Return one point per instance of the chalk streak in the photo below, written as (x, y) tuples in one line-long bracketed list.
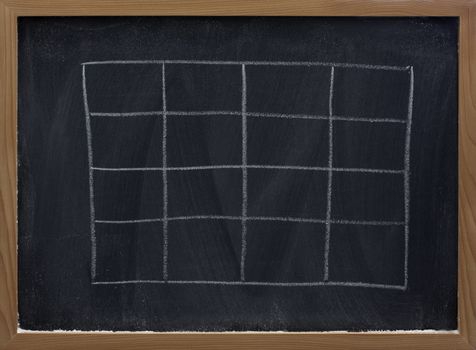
[(271, 167), (91, 177), (255, 63), (407, 174), (205, 217), (127, 114), (134, 221), (164, 178), (128, 169), (368, 223), (244, 160), (205, 167), (249, 114), (286, 219), (256, 218), (204, 113), (329, 182), (259, 284), (369, 120)]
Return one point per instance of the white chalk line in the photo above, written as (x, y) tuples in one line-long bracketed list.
[(285, 219), (269, 167), (329, 181), (369, 120), (126, 114), (205, 217), (128, 169), (164, 178), (259, 284), (204, 167), (255, 63), (91, 177), (258, 218), (367, 223), (133, 221), (407, 173), (323, 117), (244, 162), (287, 116), (249, 114), (369, 170), (169, 113)]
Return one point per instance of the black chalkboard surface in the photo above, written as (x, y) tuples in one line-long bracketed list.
[(237, 174)]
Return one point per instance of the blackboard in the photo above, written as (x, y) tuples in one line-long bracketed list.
[(237, 174)]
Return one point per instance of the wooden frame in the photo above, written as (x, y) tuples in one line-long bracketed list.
[(464, 338)]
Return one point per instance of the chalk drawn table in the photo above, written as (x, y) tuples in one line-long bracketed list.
[(326, 164)]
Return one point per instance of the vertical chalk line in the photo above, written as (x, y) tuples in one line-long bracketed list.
[(329, 182), (164, 178), (244, 207), (407, 173), (91, 178)]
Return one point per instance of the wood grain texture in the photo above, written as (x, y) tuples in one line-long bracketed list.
[(466, 339), (8, 268), (245, 341), (244, 7), (467, 177)]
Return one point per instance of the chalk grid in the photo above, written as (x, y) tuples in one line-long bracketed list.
[(244, 218)]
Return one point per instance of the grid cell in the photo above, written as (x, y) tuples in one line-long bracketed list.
[(362, 93), (132, 142), (204, 250), (295, 142), (124, 88), (285, 251), (369, 145), (358, 196), (204, 140), (203, 87), (205, 192), (369, 254), (135, 194), (288, 89), (129, 251), (287, 193)]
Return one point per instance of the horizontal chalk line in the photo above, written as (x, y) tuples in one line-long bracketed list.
[(204, 113), (264, 284), (255, 63), (276, 167), (365, 170), (128, 169), (287, 116), (248, 114), (128, 221), (280, 218), (369, 223), (257, 218), (204, 167), (370, 120), (126, 114), (159, 113), (204, 217), (323, 117)]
